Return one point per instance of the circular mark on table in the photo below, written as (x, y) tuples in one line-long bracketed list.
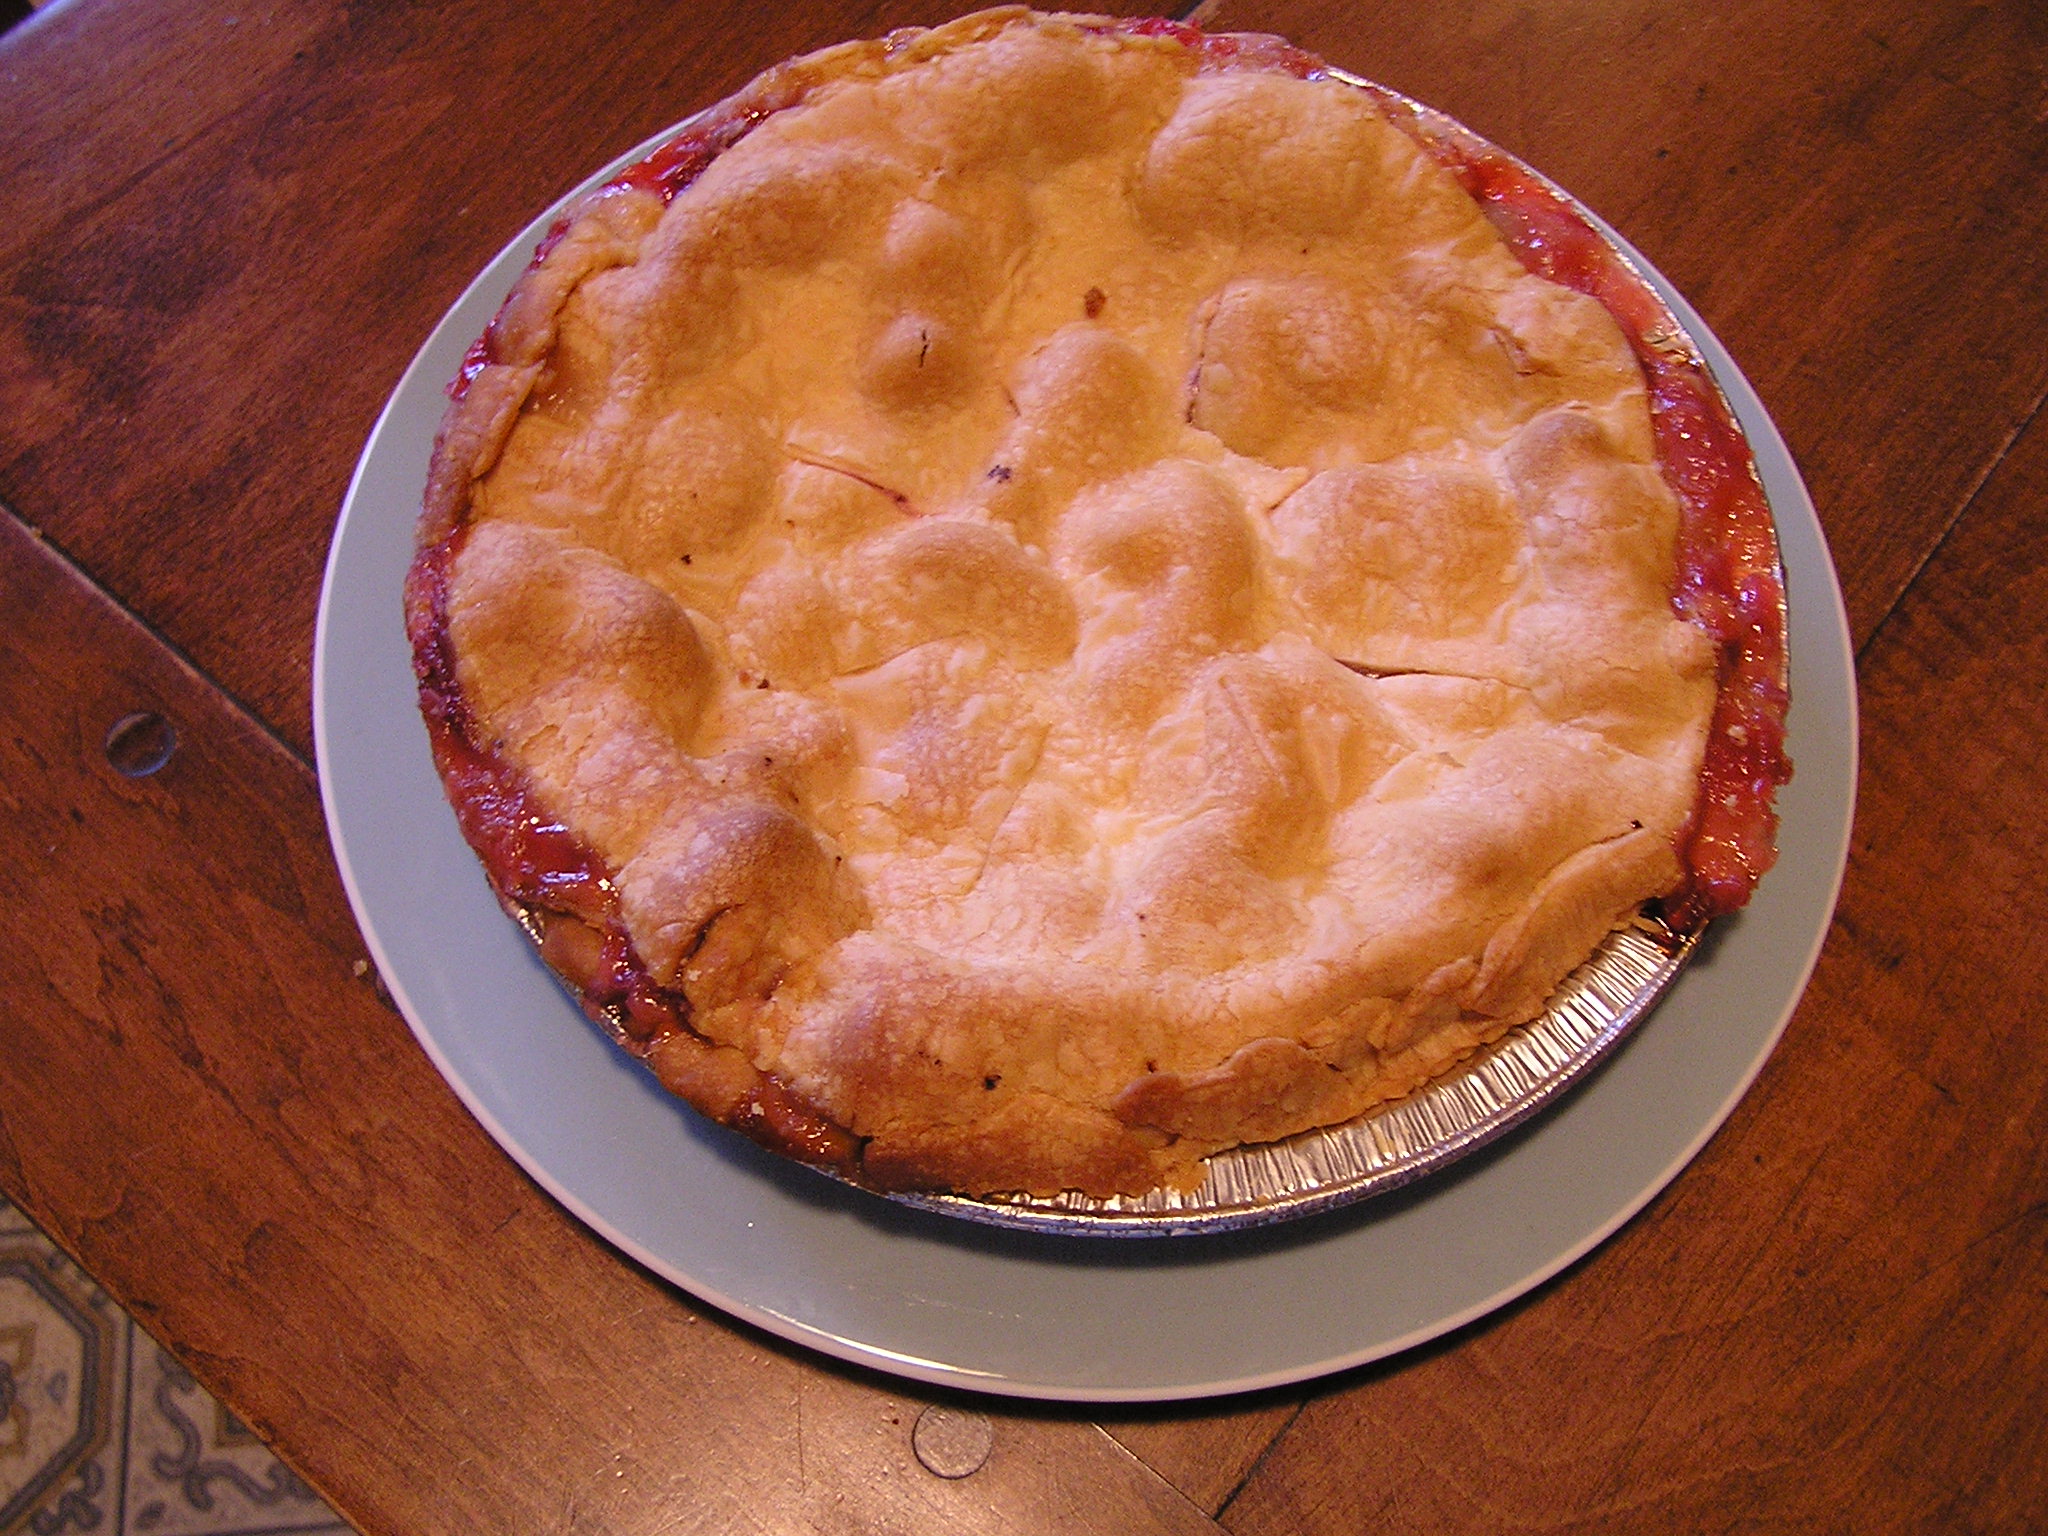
[(952, 1442), (140, 743)]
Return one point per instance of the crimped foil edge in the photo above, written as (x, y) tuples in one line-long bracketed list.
[(1454, 1115)]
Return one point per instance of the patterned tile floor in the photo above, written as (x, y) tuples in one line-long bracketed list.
[(102, 1432)]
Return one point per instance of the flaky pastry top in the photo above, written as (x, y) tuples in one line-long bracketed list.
[(1089, 607)]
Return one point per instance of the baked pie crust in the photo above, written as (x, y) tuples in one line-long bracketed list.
[(1033, 600)]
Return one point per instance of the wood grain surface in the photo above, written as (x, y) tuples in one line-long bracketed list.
[(230, 226)]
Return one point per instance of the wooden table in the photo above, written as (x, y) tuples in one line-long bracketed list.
[(228, 226)]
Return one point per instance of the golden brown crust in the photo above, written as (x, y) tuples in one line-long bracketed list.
[(1089, 607)]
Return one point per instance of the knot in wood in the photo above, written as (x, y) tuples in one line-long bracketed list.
[(140, 743)]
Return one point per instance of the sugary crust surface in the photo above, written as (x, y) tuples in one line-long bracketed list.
[(1089, 608)]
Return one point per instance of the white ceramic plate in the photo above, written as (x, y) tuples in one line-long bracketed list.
[(941, 1300)]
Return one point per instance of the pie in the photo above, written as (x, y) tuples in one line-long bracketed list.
[(1029, 601)]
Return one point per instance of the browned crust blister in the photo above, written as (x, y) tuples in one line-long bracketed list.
[(1086, 606)]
